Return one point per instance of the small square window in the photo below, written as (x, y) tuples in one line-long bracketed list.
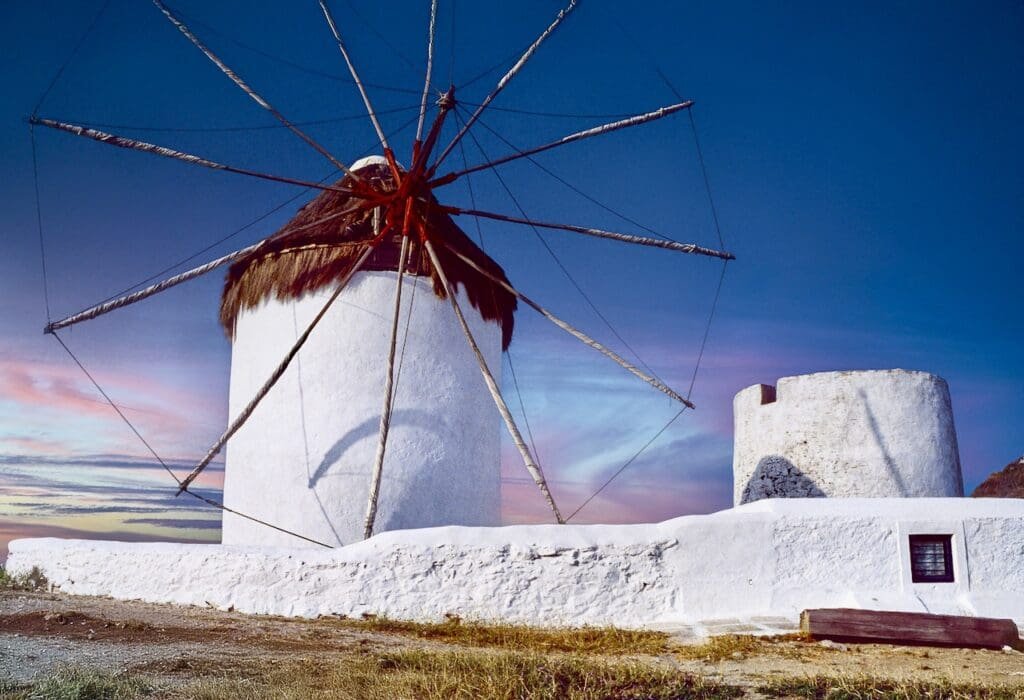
[(931, 558)]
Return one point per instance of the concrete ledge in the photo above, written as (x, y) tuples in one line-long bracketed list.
[(768, 560)]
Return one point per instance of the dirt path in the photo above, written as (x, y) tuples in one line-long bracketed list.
[(40, 632)]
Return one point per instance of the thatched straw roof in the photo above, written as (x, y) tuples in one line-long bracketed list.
[(321, 243)]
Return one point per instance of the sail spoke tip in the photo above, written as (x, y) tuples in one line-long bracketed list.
[(430, 65), (492, 386), (635, 120), (505, 79), (245, 87), (122, 301), (106, 307), (575, 332), (692, 248)]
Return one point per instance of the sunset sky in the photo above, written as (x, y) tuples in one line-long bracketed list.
[(865, 161)]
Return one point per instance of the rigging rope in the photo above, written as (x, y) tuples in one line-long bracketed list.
[(71, 56), (117, 409), (600, 130), (247, 89), (627, 463), (279, 371), (229, 129), (355, 75), (194, 494), (405, 336), (135, 144), (522, 408), (707, 328), (576, 333), (565, 270), (575, 189), (183, 487), (487, 71), (475, 117), (707, 182), (563, 115), (641, 48), (287, 62), (714, 303), (383, 39), (252, 223), (505, 80), (673, 419), (32, 135), (508, 352), (529, 462), (39, 222)]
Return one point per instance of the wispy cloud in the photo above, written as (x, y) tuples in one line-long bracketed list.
[(177, 523), (105, 496)]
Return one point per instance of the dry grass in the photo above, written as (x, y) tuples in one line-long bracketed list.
[(476, 675), (468, 675), (585, 640), (32, 581), (867, 688), (79, 684), (740, 646)]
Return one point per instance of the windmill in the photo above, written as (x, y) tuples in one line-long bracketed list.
[(387, 221)]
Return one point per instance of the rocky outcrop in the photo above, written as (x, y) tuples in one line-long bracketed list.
[(1008, 483)]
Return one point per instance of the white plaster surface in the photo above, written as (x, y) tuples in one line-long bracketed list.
[(764, 560), (303, 459), (847, 434)]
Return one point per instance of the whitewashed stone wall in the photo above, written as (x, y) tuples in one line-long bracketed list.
[(304, 458), (847, 434), (768, 559)]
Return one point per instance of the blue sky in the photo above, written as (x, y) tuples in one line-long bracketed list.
[(865, 161)]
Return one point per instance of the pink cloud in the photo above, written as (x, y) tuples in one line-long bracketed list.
[(36, 445), (32, 384), (42, 396)]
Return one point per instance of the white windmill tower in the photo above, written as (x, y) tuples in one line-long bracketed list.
[(306, 458)]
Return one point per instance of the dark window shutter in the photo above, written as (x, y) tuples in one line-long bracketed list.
[(931, 558)]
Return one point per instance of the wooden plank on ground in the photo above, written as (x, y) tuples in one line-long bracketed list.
[(909, 628)]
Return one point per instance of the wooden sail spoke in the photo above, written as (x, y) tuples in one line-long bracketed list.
[(108, 306), (136, 145), (389, 385), (492, 386), (692, 248), (237, 80), (276, 375), (578, 136), (426, 80), (575, 332), (505, 79), (355, 77)]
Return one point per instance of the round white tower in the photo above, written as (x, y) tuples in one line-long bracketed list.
[(303, 460), (884, 433)]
